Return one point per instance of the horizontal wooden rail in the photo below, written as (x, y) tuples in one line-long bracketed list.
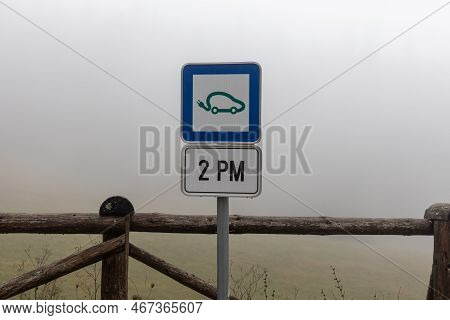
[(60, 268), (186, 279), (167, 223)]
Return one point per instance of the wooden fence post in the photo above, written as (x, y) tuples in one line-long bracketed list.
[(115, 267), (439, 283)]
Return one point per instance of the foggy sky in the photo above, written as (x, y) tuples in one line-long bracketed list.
[(380, 143)]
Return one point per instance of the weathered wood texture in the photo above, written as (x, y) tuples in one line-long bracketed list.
[(60, 268), (440, 260), (115, 267), (438, 211), (166, 223), (439, 288), (430, 291), (448, 283), (186, 279)]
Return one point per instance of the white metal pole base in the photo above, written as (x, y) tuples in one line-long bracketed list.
[(223, 264)]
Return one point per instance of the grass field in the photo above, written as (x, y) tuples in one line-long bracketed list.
[(297, 266)]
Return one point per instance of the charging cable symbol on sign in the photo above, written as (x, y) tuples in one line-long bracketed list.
[(237, 105)]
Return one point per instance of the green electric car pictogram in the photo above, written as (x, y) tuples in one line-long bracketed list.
[(237, 107)]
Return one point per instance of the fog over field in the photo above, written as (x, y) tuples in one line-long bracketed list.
[(370, 78)]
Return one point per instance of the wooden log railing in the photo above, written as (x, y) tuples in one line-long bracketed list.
[(60, 268), (186, 279), (74, 223), (115, 267), (117, 219), (439, 288)]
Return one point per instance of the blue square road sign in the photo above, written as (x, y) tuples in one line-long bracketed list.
[(221, 103)]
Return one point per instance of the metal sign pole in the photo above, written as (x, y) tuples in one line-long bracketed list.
[(223, 262)]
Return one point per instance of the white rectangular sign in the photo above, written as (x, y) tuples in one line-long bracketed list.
[(221, 171)]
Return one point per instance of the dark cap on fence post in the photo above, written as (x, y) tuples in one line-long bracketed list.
[(116, 206), (115, 267), (439, 287)]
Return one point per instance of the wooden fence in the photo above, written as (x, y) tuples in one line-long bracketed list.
[(117, 219)]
